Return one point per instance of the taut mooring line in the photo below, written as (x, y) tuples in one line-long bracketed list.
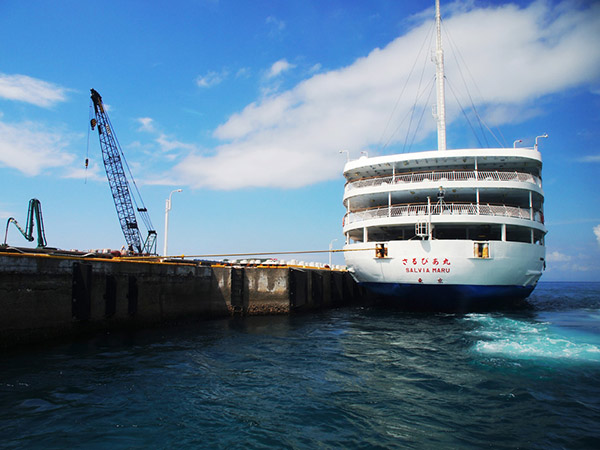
[(249, 254)]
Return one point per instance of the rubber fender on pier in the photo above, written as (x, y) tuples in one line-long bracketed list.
[(110, 297), (317, 291), (81, 292), (237, 289), (337, 288), (132, 296), (298, 281)]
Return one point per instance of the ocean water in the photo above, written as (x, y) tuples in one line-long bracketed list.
[(345, 378)]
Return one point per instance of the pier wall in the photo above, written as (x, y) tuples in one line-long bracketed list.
[(44, 296)]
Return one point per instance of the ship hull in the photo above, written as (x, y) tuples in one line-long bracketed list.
[(445, 274)]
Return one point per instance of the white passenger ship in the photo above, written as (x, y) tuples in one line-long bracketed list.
[(452, 227)]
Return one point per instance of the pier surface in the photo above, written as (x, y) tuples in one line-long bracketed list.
[(53, 293)]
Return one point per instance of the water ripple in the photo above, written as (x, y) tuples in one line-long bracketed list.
[(348, 378)]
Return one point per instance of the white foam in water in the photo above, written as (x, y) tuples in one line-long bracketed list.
[(523, 339)]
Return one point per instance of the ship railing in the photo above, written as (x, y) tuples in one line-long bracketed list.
[(454, 175), (443, 208)]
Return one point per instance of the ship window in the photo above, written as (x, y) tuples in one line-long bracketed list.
[(461, 232), (481, 250), (391, 233), (518, 234), (381, 251), (408, 234), (538, 237), (486, 232), (356, 235), (454, 233)]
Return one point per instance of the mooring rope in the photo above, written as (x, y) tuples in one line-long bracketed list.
[(224, 255)]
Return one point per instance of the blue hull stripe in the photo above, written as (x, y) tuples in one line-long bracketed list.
[(449, 293)]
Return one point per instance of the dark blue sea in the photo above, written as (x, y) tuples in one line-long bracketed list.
[(346, 378)]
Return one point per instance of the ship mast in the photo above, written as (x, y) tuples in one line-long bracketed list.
[(439, 75)]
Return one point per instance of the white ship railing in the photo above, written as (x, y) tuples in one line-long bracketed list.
[(447, 209), (454, 175)]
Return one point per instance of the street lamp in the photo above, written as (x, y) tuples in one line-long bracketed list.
[(331, 248), (517, 142), (545, 135), (167, 209)]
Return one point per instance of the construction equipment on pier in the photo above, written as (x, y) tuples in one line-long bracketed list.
[(35, 209), (113, 158)]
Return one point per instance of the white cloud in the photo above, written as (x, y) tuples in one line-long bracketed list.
[(30, 149), (316, 68), (279, 67), (5, 215), (146, 124), (93, 173), (276, 25), (526, 53), (167, 144), (292, 138), (244, 72), (557, 257), (211, 79), (580, 268), (591, 158), (31, 90), (597, 233)]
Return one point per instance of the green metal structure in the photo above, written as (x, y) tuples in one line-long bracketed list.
[(35, 211)]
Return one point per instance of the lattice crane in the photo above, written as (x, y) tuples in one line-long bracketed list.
[(113, 158)]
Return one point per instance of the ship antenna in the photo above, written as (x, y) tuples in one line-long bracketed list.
[(439, 74)]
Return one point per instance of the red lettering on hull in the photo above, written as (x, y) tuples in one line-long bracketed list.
[(427, 265)]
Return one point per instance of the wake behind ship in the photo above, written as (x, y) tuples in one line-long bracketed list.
[(446, 227)]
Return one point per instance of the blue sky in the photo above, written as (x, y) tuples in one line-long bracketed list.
[(245, 105)]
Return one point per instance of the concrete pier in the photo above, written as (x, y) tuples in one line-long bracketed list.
[(53, 294)]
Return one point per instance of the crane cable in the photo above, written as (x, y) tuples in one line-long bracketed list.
[(87, 150)]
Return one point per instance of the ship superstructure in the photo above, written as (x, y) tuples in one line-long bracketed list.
[(463, 224)]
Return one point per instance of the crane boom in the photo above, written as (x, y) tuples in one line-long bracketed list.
[(113, 158)]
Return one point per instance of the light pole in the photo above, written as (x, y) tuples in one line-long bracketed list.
[(331, 248), (167, 209), (545, 135)]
